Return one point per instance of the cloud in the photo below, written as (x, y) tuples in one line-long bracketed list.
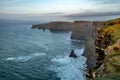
[(106, 1), (56, 13), (90, 14)]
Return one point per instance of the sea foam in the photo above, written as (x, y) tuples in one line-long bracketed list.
[(68, 68), (25, 58)]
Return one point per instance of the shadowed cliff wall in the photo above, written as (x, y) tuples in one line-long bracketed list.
[(83, 29), (87, 30)]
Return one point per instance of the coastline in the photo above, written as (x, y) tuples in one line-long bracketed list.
[(86, 31)]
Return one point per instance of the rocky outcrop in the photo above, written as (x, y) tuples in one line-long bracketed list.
[(55, 26), (72, 54)]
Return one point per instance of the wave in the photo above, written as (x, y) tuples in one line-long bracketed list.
[(25, 58), (74, 40), (79, 52), (68, 68)]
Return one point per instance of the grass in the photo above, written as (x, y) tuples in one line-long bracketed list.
[(112, 27), (111, 39), (106, 78), (112, 59)]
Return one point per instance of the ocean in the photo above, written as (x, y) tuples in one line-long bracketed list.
[(32, 54)]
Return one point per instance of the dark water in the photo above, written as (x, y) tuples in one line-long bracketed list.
[(27, 54)]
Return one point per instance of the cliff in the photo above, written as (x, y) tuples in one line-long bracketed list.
[(107, 50), (41, 26), (102, 45), (87, 30), (61, 26), (55, 26), (83, 29), (80, 29)]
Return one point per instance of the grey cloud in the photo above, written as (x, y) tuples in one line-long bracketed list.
[(90, 14), (106, 1), (56, 13)]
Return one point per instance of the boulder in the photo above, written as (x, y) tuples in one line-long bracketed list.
[(72, 54)]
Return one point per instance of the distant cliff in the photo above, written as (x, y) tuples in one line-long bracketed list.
[(80, 29), (56, 26)]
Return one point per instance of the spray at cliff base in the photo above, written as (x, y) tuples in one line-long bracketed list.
[(68, 68)]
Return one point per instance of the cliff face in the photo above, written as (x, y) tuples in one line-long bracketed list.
[(55, 26), (83, 29), (61, 26), (80, 30), (107, 49), (89, 53), (87, 30)]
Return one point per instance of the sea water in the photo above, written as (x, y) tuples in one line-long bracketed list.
[(32, 54)]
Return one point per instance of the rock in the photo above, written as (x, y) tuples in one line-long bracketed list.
[(72, 54)]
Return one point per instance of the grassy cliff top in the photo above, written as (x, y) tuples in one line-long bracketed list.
[(110, 33), (112, 27)]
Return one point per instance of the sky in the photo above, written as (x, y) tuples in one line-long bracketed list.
[(31, 9)]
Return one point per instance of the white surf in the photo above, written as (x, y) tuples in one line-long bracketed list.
[(25, 58), (68, 68)]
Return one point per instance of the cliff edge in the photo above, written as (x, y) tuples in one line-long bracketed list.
[(107, 50)]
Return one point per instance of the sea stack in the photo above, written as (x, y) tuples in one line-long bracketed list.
[(72, 54)]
